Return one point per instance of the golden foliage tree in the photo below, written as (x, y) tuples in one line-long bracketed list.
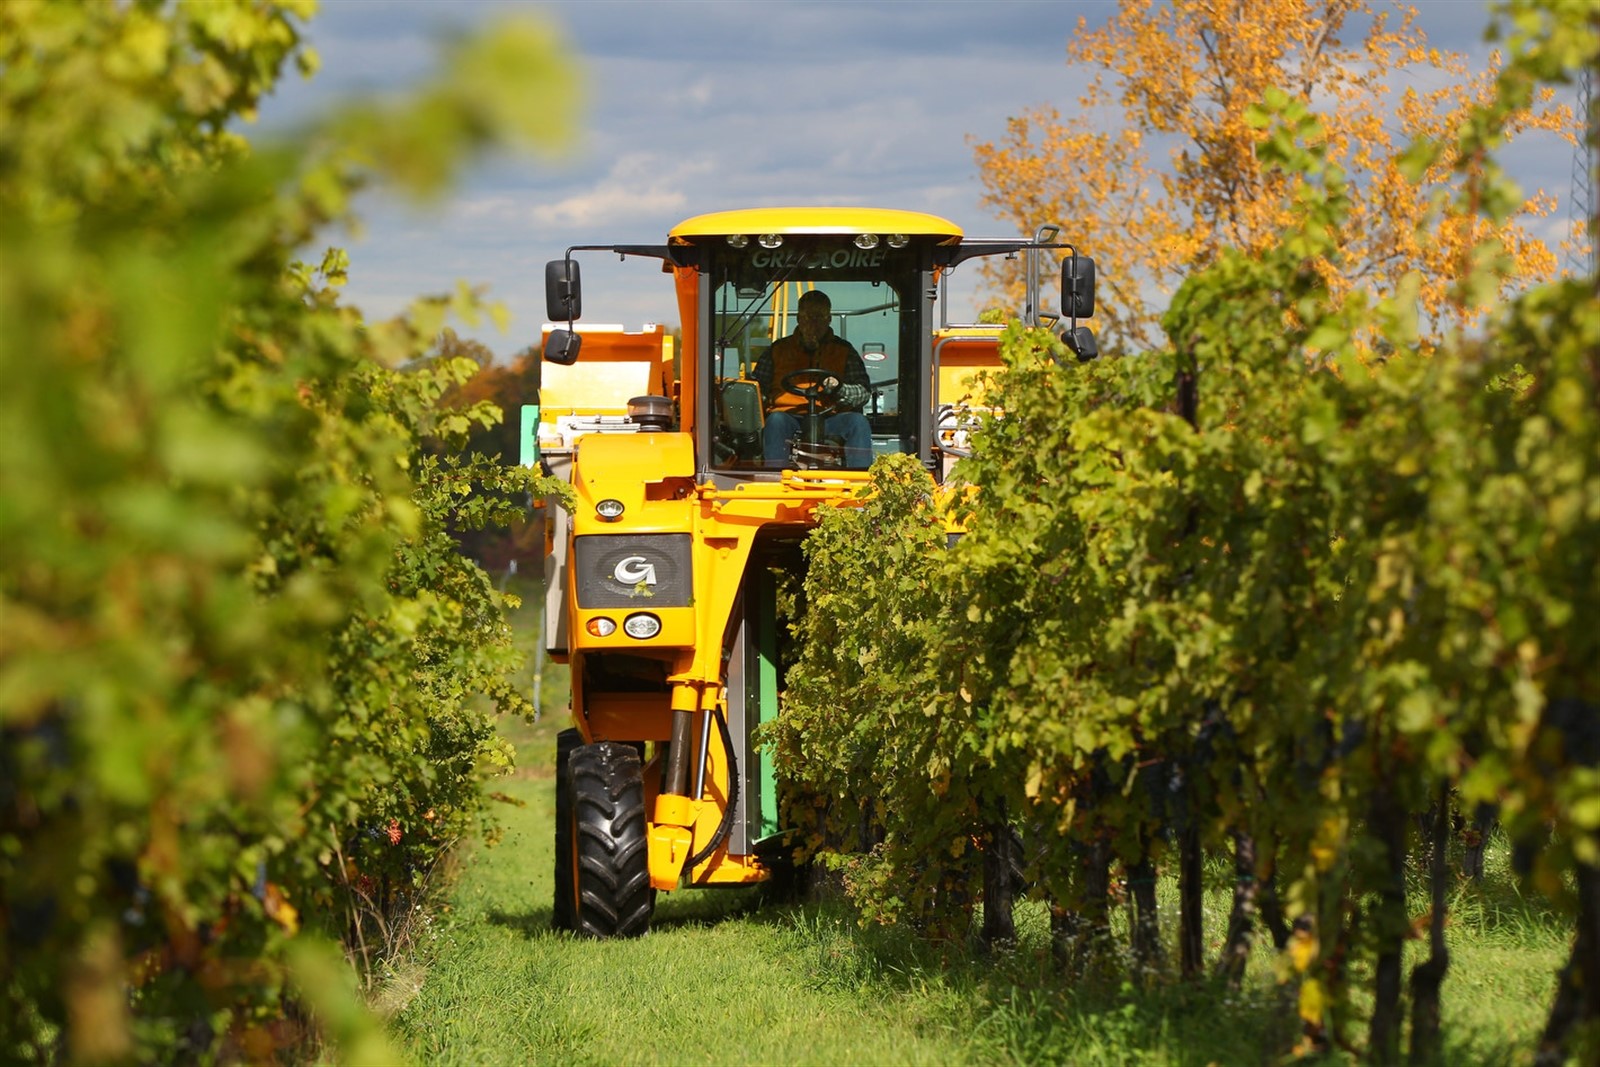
[(1156, 169)]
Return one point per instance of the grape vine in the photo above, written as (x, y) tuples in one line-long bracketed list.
[(241, 661), (1278, 589)]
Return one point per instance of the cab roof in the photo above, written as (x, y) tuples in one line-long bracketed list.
[(817, 220)]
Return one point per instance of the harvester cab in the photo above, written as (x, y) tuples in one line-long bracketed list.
[(813, 340)]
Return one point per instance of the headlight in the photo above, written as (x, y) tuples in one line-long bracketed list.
[(609, 510), (600, 626), (641, 625)]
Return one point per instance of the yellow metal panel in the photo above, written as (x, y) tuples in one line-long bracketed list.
[(636, 469), (666, 852), (957, 369), (615, 366), (637, 457), (816, 220), (723, 869), (962, 352), (629, 717), (670, 840), (674, 811), (607, 342), (591, 389)]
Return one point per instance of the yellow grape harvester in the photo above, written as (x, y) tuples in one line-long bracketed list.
[(663, 579)]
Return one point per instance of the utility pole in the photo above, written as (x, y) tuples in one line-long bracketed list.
[(1583, 226)]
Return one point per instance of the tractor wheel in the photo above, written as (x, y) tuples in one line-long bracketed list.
[(614, 898), (566, 894)]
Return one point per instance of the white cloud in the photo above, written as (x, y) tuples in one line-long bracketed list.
[(703, 106), (493, 209), (697, 95), (639, 185)]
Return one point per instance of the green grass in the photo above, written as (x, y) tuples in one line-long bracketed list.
[(718, 980), (724, 978)]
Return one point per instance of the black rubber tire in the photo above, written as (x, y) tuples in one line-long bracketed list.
[(614, 894), (566, 893)]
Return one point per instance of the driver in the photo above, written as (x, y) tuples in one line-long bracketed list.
[(814, 346)]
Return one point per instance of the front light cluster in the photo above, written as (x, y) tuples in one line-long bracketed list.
[(775, 240), (641, 625), (870, 240)]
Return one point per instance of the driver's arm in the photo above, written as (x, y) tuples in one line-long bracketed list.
[(855, 373), (761, 373)]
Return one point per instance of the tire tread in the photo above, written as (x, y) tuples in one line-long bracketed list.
[(614, 894)]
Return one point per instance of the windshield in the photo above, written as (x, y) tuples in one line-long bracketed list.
[(814, 354)]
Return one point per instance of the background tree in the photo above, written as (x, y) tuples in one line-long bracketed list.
[(1156, 169), (451, 345), (506, 387)]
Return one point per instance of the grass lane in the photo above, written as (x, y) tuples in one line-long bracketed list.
[(720, 979), (717, 980)]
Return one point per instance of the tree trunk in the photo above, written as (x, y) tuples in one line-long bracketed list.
[(1191, 911), (1477, 833), (1147, 953), (1094, 929), (1242, 918), (1576, 1010), (1577, 999), (1272, 912), (1391, 923), (1066, 930), (999, 923), (1429, 976)]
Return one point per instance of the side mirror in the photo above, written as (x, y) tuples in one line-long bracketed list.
[(1077, 287), (561, 346), (1081, 340), (563, 293)]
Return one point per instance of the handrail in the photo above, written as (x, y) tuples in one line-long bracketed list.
[(1041, 237)]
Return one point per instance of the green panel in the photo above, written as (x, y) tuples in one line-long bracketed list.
[(767, 708), (528, 450)]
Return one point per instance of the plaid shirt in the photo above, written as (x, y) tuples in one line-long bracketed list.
[(834, 354)]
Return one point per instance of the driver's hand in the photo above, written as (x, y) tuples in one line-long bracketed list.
[(829, 384), (853, 396)]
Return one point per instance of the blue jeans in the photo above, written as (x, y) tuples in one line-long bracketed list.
[(851, 425)]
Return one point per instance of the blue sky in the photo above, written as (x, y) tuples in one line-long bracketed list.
[(703, 105)]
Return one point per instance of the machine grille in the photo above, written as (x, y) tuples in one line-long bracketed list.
[(634, 571)]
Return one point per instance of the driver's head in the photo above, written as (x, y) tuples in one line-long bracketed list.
[(814, 314)]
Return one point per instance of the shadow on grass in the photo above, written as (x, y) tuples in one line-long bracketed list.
[(1500, 905), (533, 923), (1021, 1006), (686, 909), (1024, 1008)]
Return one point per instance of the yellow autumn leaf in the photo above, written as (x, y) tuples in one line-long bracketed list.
[(1313, 1000), (279, 910), (1302, 950), (1177, 177)]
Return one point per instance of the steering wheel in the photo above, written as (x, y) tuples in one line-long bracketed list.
[(812, 383)]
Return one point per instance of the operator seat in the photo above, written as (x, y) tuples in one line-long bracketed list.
[(740, 418)]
